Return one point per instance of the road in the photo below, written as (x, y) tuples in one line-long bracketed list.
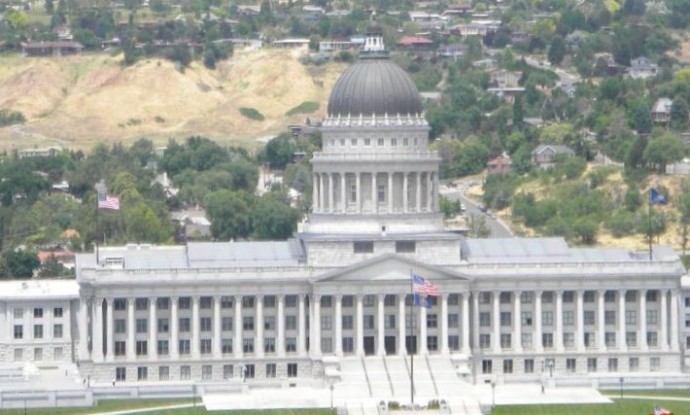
[(497, 227), (564, 76)]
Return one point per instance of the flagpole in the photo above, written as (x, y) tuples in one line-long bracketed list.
[(649, 226), (411, 348), (98, 230)]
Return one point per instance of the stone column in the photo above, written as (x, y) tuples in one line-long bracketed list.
[(98, 330), (259, 326), (496, 321), (621, 320), (331, 192), (435, 191), (517, 322), (405, 192), (402, 322), (418, 199), (537, 341), (559, 320), (429, 193), (315, 192), (280, 341), (359, 317), (110, 343), (217, 347), (195, 327), (338, 340), (315, 342), (642, 341), (664, 319), (601, 323), (152, 349), (579, 320), (390, 192), (475, 318), (374, 199), (301, 327), (131, 330), (444, 323), (423, 350), (237, 334), (380, 325), (358, 202), (466, 323), (322, 194), (173, 328), (343, 193), (83, 329), (674, 320)]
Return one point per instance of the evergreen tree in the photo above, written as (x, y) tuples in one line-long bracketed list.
[(643, 119), (557, 50)]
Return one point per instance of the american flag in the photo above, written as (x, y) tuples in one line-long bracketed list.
[(424, 287), (108, 202)]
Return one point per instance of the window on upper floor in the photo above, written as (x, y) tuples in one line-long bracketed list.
[(363, 247)]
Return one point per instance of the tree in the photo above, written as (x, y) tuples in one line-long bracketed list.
[(643, 119), (273, 218), (278, 152), (586, 228), (53, 268), (518, 112), (20, 263), (557, 50), (230, 214), (679, 114), (665, 149), (477, 227)]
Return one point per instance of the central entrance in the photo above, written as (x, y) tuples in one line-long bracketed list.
[(369, 345), (389, 344), (411, 344)]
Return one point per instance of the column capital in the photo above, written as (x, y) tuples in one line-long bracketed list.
[(174, 297), (131, 300), (559, 291), (381, 297), (217, 297)]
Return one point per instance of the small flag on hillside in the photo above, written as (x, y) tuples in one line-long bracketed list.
[(424, 287), (656, 198), (108, 202)]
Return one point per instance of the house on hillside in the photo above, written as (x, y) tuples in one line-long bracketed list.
[(661, 110), (642, 68), (502, 78), (39, 152), (544, 156), (56, 48), (500, 165), (418, 43), (453, 51)]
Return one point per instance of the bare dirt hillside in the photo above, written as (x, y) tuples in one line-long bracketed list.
[(82, 100)]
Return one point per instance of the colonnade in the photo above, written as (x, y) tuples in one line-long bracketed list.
[(343, 192)]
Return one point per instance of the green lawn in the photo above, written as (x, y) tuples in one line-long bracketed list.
[(103, 406), (618, 407), (677, 393), (202, 411)]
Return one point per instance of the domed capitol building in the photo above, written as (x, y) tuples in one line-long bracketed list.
[(333, 305)]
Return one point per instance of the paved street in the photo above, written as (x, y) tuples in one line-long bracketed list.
[(498, 228)]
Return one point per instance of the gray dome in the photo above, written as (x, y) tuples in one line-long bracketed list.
[(374, 86)]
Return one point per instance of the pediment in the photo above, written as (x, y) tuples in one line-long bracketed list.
[(389, 267)]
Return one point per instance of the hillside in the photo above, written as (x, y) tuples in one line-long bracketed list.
[(82, 100)]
